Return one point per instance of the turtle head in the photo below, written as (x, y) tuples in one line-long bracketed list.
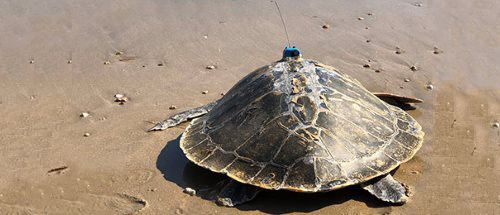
[(292, 53)]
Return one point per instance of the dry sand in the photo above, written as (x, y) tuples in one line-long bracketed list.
[(164, 47)]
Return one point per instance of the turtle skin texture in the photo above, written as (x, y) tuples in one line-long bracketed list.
[(302, 126)]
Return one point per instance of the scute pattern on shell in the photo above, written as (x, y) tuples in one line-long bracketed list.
[(301, 126)]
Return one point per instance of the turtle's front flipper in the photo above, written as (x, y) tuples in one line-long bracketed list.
[(183, 117), (235, 193), (402, 102), (387, 189)]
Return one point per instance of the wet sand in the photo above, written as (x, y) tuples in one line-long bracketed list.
[(60, 59)]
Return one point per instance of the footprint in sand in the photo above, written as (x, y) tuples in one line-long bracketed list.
[(96, 204), (118, 204)]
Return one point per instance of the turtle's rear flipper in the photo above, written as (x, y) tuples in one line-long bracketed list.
[(387, 189), (235, 193), (183, 117), (402, 102)]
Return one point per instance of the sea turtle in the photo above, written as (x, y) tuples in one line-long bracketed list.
[(302, 126)]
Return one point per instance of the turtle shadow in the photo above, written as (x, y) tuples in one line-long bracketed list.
[(281, 202), (176, 168)]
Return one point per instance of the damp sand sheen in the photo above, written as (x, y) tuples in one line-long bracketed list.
[(59, 60)]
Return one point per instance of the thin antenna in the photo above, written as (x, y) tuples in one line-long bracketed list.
[(283, 21)]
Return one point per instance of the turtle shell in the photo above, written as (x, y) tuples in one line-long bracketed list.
[(303, 126)]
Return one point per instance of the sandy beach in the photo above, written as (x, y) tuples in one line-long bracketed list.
[(59, 59)]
